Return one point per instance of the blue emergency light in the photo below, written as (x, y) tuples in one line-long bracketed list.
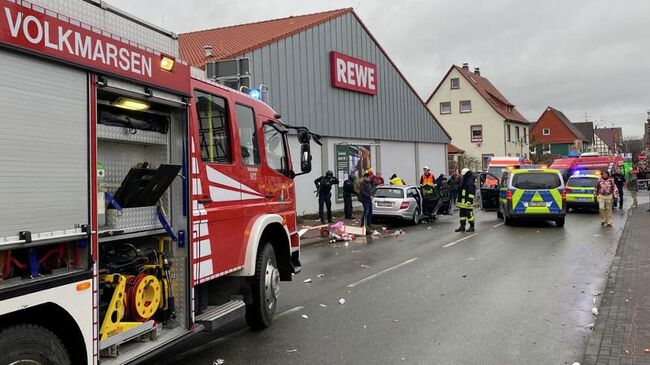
[(255, 94)]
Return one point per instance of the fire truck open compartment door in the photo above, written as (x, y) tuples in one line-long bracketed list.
[(43, 148)]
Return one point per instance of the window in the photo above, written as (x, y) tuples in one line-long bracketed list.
[(485, 160), (582, 182), (445, 107), (391, 193), (455, 83), (214, 128), (275, 148), (476, 132), (547, 149), (525, 135), (536, 180), (509, 134), (465, 106), (546, 131), (517, 136), (248, 135)]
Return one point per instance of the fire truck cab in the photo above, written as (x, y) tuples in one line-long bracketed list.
[(139, 201)]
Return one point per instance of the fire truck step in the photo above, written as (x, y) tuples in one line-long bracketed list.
[(216, 316)]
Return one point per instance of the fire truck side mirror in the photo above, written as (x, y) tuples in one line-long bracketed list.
[(305, 158), (303, 136)]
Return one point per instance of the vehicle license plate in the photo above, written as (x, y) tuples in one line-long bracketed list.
[(584, 200), (537, 204), (384, 204)]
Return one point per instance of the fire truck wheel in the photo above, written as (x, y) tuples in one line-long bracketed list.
[(265, 288), (33, 345)]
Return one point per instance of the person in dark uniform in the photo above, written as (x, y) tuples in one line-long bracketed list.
[(324, 191), (348, 191), (466, 201), (619, 180)]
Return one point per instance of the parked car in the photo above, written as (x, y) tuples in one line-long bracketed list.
[(397, 202)]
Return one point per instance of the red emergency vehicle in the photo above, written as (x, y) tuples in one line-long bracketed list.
[(139, 201), (586, 163)]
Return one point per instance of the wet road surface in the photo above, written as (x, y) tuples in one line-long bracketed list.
[(504, 295)]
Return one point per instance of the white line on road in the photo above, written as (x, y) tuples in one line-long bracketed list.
[(500, 224), (460, 240), (294, 309), (382, 272)]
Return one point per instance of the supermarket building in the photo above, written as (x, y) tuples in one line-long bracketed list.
[(327, 72)]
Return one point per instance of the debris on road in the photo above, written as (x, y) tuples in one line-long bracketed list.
[(364, 266), (341, 301), (305, 316), (320, 275), (594, 311), (464, 275), (627, 352), (576, 363), (292, 351), (323, 305), (646, 350), (307, 281), (218, 362), (591, 326), (395, 320)]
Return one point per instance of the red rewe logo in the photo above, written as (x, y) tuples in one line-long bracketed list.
[(353, 74)]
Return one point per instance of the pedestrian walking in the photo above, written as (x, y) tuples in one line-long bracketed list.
[(633, 186), (440, 179), (606, 192), (427, 177), (365, 197), (466, 201), (619, 180), (455, 181), (396, 180), (324, 191), (348, 191)]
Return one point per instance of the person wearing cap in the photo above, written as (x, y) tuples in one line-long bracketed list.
[(427, 177), (396, 180), (633, 186), (365, 197), (466, 201), (324, 191)]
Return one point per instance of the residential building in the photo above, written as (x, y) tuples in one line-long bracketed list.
[(479, 118), (453, 156), (553, 133), (326, 71), (608, 141), (587, 130), (646, 135)]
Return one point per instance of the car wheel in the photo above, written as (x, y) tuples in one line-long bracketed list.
[(265, 289), (416, 217), (31, 344), (559, 222), (507, 221)]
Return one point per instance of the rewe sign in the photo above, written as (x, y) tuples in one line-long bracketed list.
[(353, 74)]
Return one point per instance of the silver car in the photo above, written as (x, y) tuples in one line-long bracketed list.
[(397, 202)]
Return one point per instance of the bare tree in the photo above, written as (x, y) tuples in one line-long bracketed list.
[(633, 145)]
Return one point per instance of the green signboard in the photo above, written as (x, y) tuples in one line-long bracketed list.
[(351, 159)]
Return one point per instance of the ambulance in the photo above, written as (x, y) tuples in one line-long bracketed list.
[(140, 202)]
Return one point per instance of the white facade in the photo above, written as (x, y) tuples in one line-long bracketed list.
[(459, 125)]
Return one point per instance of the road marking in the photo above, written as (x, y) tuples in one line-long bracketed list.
[(500, 224), (382, 272), (460, 240), (294, 309)]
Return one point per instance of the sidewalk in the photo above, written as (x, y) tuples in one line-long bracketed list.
[(622, 330)]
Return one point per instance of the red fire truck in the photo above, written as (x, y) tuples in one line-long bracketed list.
[(587, 163), (139, 201)]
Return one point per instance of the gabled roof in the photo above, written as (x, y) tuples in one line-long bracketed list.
[(576, 132), (587, 130), (453, 150), (610, 136), (489, 92), (230, 42)]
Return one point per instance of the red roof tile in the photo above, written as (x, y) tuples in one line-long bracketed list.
[(233, 41), (490, 93), (451, 149)]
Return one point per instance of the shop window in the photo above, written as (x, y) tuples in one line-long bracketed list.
[(214, 128), (445, 107), (465, 106), (248, 135), (546, 131), (275, 148), (476, 133), (455, 83)]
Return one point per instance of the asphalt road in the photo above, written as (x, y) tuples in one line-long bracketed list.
[(504, 295)]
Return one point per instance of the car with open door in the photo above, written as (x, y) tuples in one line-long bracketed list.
[(489, 191), (397, 203)]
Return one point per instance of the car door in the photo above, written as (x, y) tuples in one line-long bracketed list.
[(489, 188)]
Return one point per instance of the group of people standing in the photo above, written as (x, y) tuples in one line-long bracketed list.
[(609, 193)]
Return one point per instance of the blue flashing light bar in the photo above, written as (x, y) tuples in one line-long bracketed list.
[(255, 94)]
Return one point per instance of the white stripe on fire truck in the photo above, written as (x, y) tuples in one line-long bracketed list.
[(202, 249), (222, 179), (196, 187), (200, 228), (195, 166), (224, 195), (203, 269)]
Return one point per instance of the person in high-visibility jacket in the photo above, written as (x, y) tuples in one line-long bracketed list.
[(466, 201), (396, 180), (427, 177)]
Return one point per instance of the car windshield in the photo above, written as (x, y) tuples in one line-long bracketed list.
[(582, 182), (389, 193), (496, 170), (536, 180)]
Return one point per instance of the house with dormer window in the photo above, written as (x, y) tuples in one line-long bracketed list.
[(479, 118)]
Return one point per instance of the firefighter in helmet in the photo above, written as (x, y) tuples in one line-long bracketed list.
[(466, 201)]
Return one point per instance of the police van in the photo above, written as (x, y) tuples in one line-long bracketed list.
[(528, 194), (580, 191)]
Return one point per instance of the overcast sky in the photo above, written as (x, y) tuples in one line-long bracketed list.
[(583, 57)]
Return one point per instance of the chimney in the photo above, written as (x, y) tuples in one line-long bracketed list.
[(477, 71), (208, 51), (466, 66)]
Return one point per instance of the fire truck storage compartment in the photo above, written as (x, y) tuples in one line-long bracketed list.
[(140, 148), (44, 195)]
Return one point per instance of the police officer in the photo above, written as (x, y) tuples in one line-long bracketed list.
[(466, 201), (324, 191), (348, 191)]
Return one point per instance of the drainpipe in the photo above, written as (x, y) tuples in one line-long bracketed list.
[(505, 142)]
